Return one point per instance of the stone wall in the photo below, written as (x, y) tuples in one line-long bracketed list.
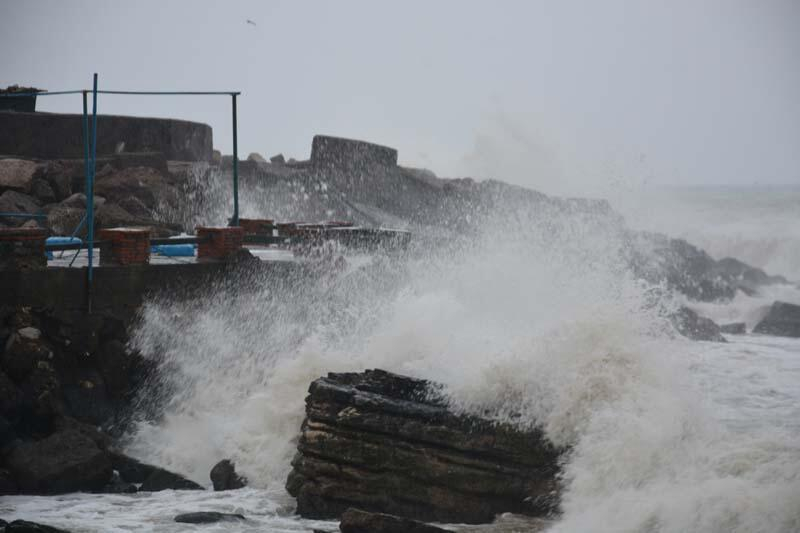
[(60, 136)]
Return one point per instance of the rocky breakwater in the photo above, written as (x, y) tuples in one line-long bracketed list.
[(130, 190), (386, 443), (66, 385)]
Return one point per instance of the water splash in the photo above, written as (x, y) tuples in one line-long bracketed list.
[(535, 321)]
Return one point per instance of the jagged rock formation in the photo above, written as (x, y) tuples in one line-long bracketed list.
[(783, 319), (696, 327), (691, 271), (388, 443), (224, 477), (63, 375)]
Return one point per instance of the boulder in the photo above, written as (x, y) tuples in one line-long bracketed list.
[(42, 191), (151, 477), (736, 328), (16, 202), (224, 476), (66, 461), (23, 526), (149, 185), (783, 320), (387, 443), (78, 201), (111, 215), (356, 521), (277, 159), (135, 207), (207, 517), (17, 174), (696, 327), (29, 333)]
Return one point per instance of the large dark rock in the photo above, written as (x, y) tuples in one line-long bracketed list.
[(691, 271), (696, 327), (151, 477), (207, 517), (783, 320), (356, 521), (112, 215), (78, 201), (66, 461), (17, 202), (17, 174), (23, 526), (388, 443), (42, 191), (224, 476)]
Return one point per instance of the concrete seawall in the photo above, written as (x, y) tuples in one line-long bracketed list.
[(118, 291), (59, 136)]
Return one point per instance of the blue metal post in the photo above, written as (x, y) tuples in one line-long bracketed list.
[(235, 219), (90, 190)]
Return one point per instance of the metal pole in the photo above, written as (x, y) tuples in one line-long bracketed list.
[(235, 219), (90, 190)]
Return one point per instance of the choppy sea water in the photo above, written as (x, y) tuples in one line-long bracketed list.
[(667, 435), (752, 385)]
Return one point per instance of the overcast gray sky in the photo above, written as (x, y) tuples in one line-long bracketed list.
[(565, 96)]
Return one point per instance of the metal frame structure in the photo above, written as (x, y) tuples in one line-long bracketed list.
[(90, 156)]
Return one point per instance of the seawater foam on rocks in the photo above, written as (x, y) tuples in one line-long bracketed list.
[(533, 328)]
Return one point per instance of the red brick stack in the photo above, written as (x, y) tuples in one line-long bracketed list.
[(219, 243), (22, 248), (124, 246)]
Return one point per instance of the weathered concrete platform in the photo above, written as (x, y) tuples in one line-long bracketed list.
[(60, 136), (120, 290)]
